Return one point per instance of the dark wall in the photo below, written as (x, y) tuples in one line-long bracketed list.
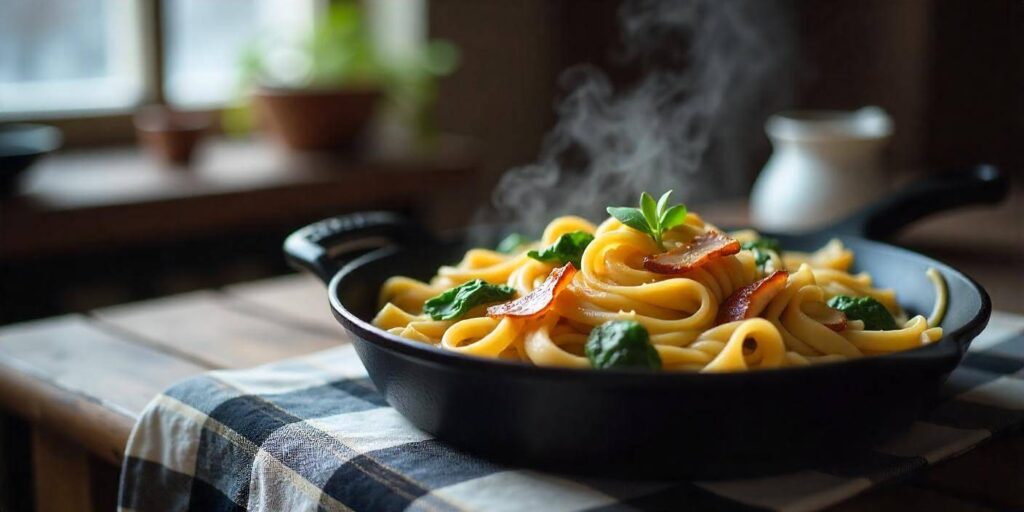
[(503, 90), (949, 71), (871, 52), (512, 54), (975, 106)]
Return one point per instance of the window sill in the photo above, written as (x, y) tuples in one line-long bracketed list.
[(110, 197)]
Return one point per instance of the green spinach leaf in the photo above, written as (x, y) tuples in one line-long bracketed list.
[(456, 302), (866, 309), (621, 344), (760, 248), (568, 247)]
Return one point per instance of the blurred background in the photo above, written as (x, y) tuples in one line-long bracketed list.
[(181, 140)]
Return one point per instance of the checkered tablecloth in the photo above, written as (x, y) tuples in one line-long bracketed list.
[(313, 433)]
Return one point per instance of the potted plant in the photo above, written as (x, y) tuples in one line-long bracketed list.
[(320, 91)]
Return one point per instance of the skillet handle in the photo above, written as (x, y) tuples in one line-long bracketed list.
[(319, 247), (981, 184)]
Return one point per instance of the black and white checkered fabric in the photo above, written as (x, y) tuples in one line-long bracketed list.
[(312, 433)]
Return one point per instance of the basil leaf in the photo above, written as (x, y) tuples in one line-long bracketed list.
[(650, 210), (456, 302), (511, 243), (760, 248), (663, 203), (650, 218), (866, 309), (568, 247), (631, 217), (675, 216), (621, 344)]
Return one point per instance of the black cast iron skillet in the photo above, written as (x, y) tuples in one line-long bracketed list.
[(659, 425)]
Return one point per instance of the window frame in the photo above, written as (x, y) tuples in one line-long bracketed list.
[(89, 127)]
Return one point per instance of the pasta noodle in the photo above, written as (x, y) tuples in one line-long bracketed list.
[(677, 310)]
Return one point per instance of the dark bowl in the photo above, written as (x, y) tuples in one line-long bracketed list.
[(665, 424), (21, 144)]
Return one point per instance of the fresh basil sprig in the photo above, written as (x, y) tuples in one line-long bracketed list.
[(511, 243), (568, 247), (760, 248), (458, 301), (651, 218)]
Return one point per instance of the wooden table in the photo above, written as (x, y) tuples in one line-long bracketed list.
[(82, 380)]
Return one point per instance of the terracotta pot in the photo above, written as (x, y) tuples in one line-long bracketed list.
[(169, 135), (316, 119)]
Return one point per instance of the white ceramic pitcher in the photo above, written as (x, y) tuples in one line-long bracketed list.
[(825, 165)]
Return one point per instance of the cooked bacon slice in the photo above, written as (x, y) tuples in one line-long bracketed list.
[(750, 301), (829, 317), (699, 251), (540, 300)]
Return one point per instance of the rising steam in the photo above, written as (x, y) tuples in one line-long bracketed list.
[(710, 69)]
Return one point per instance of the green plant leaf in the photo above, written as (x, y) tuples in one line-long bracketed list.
[(631, 217), (568, 248), (650, 210), (675, 216), (456, 302), (440, 57)]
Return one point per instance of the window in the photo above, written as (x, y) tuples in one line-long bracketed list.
[(62, 58), (202, 40), (68, 55)]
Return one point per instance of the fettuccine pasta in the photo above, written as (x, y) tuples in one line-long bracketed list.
[(686, 314)]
